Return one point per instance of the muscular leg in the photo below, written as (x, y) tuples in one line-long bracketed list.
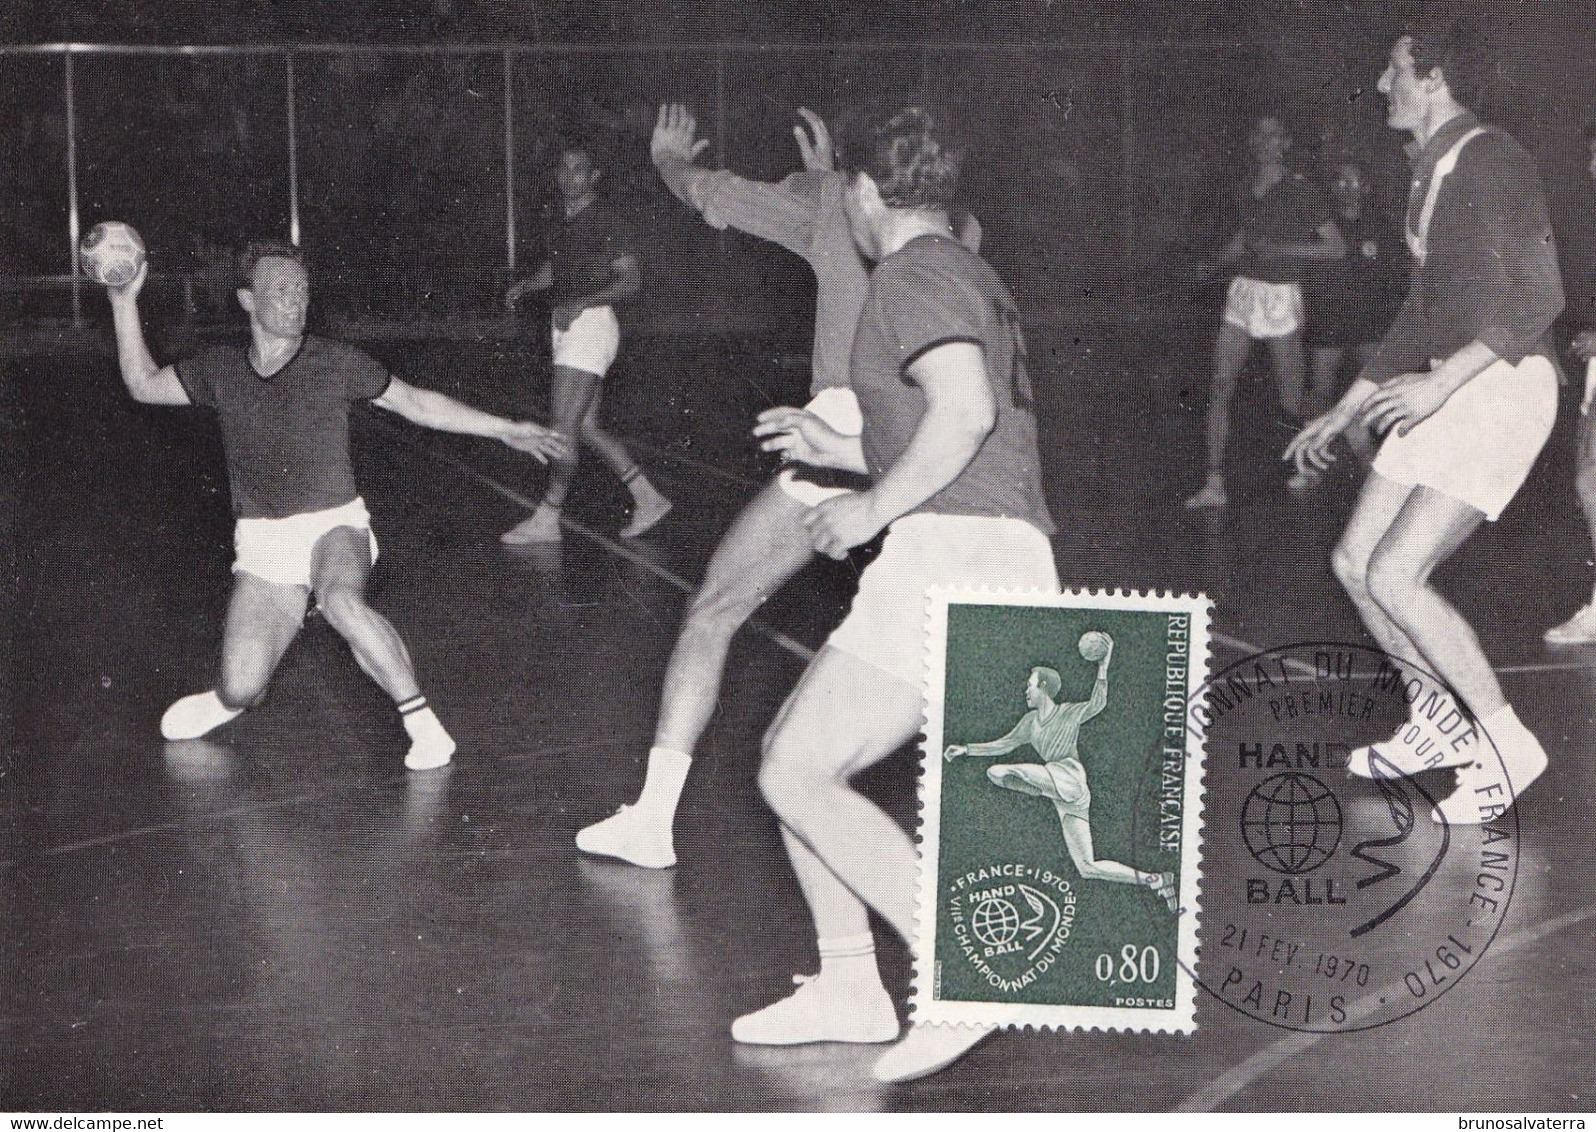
[(1377, 507), (1023, 778), (765, 546), (571, 396), (1230, 353), (1585, 478), (648, 505), (1291, 372), (1078, 839), (1325, 364), (262, 621), (338, 571), (1427, 530)]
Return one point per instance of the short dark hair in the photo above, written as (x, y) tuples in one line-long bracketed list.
[(1048, 680), (585, 147), (1460, 46), (257, 250), (910, 152)]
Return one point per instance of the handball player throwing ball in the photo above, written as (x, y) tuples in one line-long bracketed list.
[(283, 404), (949, 446)]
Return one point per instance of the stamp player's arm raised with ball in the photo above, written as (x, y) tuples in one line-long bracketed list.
[(149, 383)]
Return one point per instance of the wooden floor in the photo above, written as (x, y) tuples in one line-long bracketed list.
[(283, 918)]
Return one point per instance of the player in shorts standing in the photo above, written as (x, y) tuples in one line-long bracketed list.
[(1466, 382), (1580, 629), (1285, 226), (949, 444), (283, 405), (591, 267), (1053, 730), (767, 543), (1351, 302)]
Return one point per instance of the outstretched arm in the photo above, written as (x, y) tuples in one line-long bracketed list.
[(431, 409), (148, 383), (1015, 739)]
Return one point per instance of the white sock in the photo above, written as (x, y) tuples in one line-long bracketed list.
[(663, 781), (850, 959), (430, 745)]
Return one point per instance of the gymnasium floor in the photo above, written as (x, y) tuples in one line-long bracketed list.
[(282, 918)]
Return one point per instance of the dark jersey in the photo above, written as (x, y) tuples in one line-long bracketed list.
[(928, 293), (286, 436), (1354, 299), (1291, 212), (583, 248)]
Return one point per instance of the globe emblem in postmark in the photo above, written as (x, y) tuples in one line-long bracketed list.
[(1291, 823), (995, 922)]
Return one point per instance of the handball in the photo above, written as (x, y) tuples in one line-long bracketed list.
[(112, 253), (1095, 644)]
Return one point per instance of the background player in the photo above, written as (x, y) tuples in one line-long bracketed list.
[(1580, 629), (1466, 380), (767, 543), (1052, 730), (1285, 225), (592, 266), (949, 444), (283, 406)]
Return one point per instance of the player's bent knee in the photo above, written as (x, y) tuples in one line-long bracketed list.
[(1390, 581), (343, 606)]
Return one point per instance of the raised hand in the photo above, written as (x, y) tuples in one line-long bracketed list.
[(130, 289), (676, 134), (814, 144), (543, 443)]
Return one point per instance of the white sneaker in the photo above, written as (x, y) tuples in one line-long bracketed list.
[(1579, 629), (1523, 758), (543, 525), (1211, 496), (630, 835), (196, 715), (646, 515), (1407, 761), (816, 1012), (927, 1049)]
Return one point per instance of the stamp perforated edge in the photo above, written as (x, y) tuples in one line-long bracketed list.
[(926, 1008)]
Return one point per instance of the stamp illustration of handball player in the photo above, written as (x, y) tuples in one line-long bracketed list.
[(283, 406), (592, 266), (768, 542), (949, 445), (1052, 729), (1466, 382)]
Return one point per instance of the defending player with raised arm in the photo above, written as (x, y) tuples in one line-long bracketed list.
[(1466, 384), (283, 405), (591, 269), (767, 544), (1052, 729), (949, 445)]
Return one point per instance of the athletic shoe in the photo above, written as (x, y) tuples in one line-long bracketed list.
[(1523, 758), (1406, 761), (196, 715), (1165, 889), (645, 516), (542, 526), (1211, 496), (630, 835), (818, 1012), (927, 1049), (1579, 629)]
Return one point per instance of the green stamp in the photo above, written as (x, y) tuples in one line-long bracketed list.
[(1062, 810)]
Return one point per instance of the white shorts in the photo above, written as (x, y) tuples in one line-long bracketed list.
[(591, 343), (839, 408), (1478, 448), (886, 625), (280, 551), (1264, 310)]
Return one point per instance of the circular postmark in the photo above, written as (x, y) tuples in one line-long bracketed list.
[(1332, 900)]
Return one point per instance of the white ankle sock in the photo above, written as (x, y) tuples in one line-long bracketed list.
[(663, 781), (850, 958), (430, 745)]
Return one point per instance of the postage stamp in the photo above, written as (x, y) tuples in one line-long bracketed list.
[(1061, 810), (1339, 896)]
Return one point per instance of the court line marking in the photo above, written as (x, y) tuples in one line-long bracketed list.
[(272, 804), (1272, 1056), (1585, 664), (620, 550)]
